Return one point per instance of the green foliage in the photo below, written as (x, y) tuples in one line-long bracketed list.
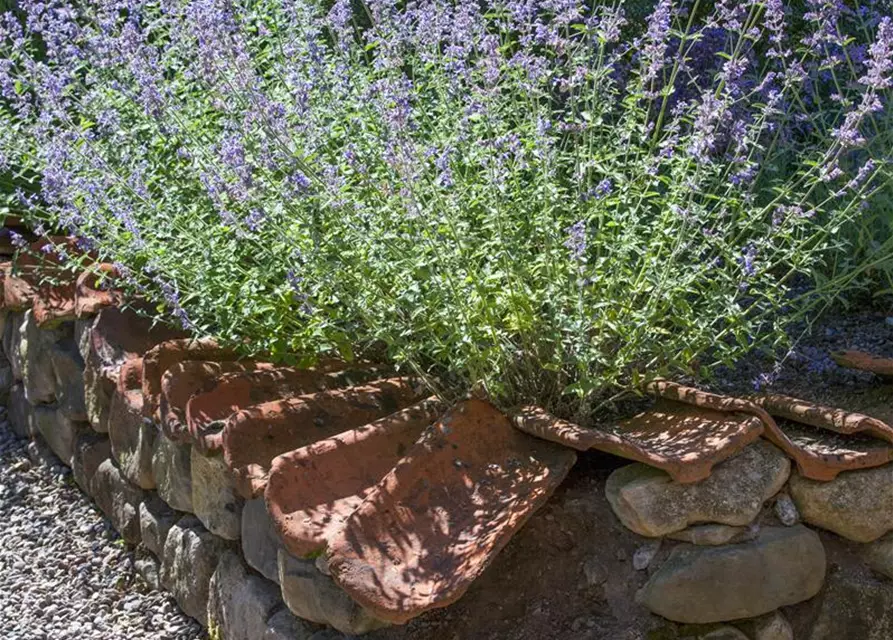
[(551, 207)]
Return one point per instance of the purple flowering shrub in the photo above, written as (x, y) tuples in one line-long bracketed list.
[(537, 196)]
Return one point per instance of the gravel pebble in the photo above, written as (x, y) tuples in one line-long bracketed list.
[(64, 572)]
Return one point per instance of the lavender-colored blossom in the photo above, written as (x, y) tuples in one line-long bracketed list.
[(655, 46), (880, 63), (576, 242)]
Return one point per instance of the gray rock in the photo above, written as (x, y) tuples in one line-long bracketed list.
[(772, 626), (879, 555), (156, 520), (59, 432), (645, 554), (90, 451), (191, 554), (214, 499), (239, 603), (12, 342), (282, 625), (20, 412), (118, 499), (724, 633), (83, 328), (783, 566), (315, 597), (37, 366), (857, 505), (150, 571), (133, 438), (99, 385), (171, 466), (713, 535), (650, 503), (854, 607), (6, 379), (68, 373), (260, 541), (786, 510)]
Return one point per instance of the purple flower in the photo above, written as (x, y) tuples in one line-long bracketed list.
[(880, 62), (656, 40), (576, 242)]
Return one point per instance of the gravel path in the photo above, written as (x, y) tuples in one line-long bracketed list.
[(64, 572)]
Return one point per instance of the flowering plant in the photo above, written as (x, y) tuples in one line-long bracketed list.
[(539, 196)]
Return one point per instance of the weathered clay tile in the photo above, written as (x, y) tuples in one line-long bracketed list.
[(120, 334), (93, 290), (830, 418), (53, 304), (437, 520), (682, 438), (312, 491), (163, 356), (819, 455), (206, 412), (253, 437), (853, 359), (181, 381), (824, 441), (25, 282), (115, 336)]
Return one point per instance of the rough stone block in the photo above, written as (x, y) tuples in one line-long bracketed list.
[(37, 365), (172, 468), (856, 607), (314, 596), (857, 505), (12, 342), (99, 385), (240, 603), (214, 499), (260, 542), (6, 379), (284, 626), (701, 585), (19, 411), (191, 554), (118, 499), (90, 451), (132, 436), (68, 372), (649, 502), (82, 335), (156, 520), (59, 432)]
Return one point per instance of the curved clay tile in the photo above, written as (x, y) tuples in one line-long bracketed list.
[(440, 516), (121, 334), (818, 456), (312, 491), (206, 412), (825, 441), (253, 437), (93, 293), (863, 361), (683, 438), (163, 356), (838, 420), (26, 280), (181, 381)]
